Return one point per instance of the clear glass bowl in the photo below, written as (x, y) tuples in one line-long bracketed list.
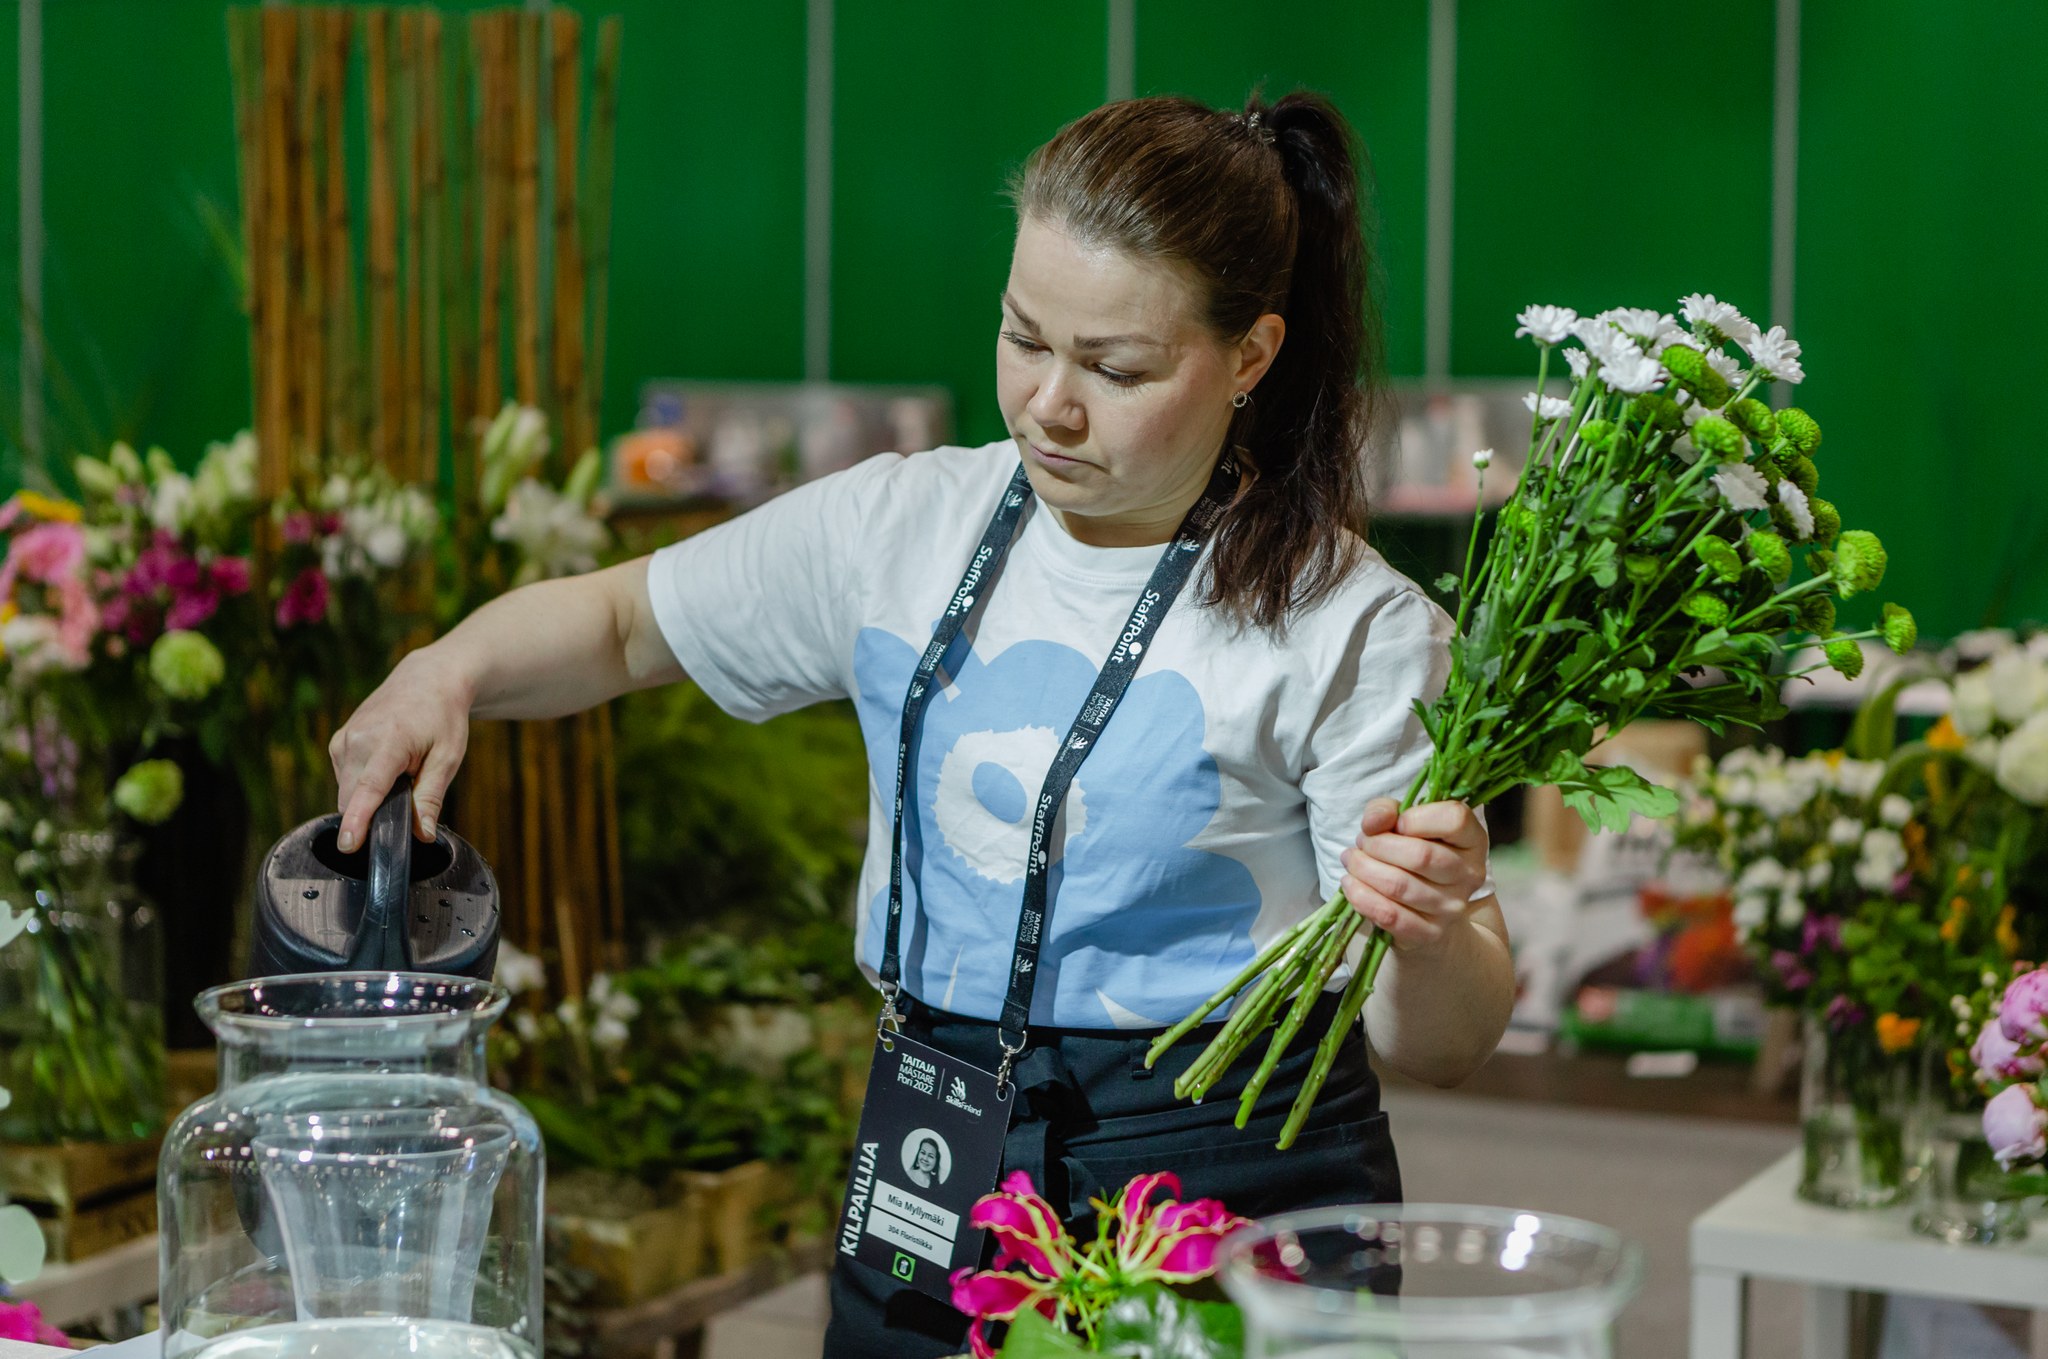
[(1428, 1281), (353, 1165)]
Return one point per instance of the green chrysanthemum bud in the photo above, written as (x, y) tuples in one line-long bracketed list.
[(1709, 609), (1720, 557), (1801, 472), (1753, 418), (1718, 437), (1817, 614), (150, 791), (1770, 554), (1821, 562), (1516, 518), (1657, 409), (1596, 434), (1641, 569), (1827, 521), (1859, 562), (185, 665), (1900, 631), (1845, 656), (1799, 429), (1689, 369), (1772, 469)]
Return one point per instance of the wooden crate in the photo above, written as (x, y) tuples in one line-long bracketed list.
[(634, 1258), (88, 1196), (80, 1232)]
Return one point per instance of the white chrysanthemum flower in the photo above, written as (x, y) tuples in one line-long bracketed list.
[(1722, 362), (1981, 644), (1642, 324), (1791, 905), (2037, 647), (1483, 459), (2019, 685), (171, 503), (1633, 373), (1971, 705), (1708, 314), (1883, 857), (1739, 790), (1983, 752), (525, 1025), (1776, 355), (1752, 913), (1895, 811), (1602, 340), (1858, 778), (1761, 875), (1546, 407), (1817, 874), (1546, 325), (1757, 841), (1581, 363), (1845, 831), (1742, 486), (519, 971), (1691, 411), (2023, 761), (1685, 450), (1796, 509)]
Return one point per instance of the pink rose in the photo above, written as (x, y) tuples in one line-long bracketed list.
[(2015, 1126), (1998, 1058), (2023, 1010)]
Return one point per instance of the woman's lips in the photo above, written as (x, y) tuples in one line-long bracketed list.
[(1052, 458)]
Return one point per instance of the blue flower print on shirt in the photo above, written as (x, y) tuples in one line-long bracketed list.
[(1143, 926)]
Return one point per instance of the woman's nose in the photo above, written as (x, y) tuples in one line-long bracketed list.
[(1053, 405)]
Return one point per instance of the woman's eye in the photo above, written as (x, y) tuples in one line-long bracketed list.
[(1028, 346), (1120, 379)]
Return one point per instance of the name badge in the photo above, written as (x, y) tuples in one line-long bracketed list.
[(930, 1145)]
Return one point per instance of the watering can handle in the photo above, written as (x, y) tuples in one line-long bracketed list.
[(383, 942)]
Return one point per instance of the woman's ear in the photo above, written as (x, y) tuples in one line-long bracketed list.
[(1257, 350)]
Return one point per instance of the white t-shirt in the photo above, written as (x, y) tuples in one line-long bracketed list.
[(1211, 813)]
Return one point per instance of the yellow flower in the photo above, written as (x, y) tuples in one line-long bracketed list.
[(1944, 736), (2008, 938), (1895, 1034), (1958, 912), (48, 507), (1966, 875)]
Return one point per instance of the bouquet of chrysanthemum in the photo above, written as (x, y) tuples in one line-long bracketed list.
[(1092, 1293), (1643, 567)]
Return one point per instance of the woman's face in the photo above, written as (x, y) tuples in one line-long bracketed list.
[(927, 1157), (1114, 387)]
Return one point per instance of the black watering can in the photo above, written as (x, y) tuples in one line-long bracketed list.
[(396, 904)]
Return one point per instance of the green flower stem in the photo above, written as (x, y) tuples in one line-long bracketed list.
[(1349, 1006), (1248, 1019), (1327, 960), (1265, 959)]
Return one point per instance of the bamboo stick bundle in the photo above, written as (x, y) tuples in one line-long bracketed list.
[(312, 101), (427, 242), (597, 205), (613, 891), (405, 460), (459, 262), (245, 57), (570, 376), (533, 880), (387, 360), (487, 37), (344, 428), (526, 206), (274, 435)]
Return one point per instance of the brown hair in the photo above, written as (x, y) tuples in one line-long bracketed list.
[(1262, 208)]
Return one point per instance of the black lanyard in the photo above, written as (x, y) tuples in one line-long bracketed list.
[(1176, 564)]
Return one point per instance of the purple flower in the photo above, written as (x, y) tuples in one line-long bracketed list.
[(2023, 1011), (1819, 930), (231, 575), (1998, 1058), (1844, 1013), (2015, 1126), (1792, 973), (191, 608), (305, 599)]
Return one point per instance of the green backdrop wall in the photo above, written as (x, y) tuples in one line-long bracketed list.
[(1604, 153)]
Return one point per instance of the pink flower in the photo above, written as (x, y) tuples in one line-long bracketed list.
[(2015, 1126), (1171, 1242), (45, 553), (1026, 1228), (1998, 1058), (994, 1295), (231, 575), (190, 609), (2023, 1010), (24, 1321), (78, 622), (305, 599), (300, 526)]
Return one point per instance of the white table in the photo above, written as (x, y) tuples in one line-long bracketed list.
[(82, 1290), (1765, 1231)]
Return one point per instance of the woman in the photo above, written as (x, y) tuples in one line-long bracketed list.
[(1185, 355)]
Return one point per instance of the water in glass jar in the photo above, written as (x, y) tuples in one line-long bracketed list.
[(369, 1338)]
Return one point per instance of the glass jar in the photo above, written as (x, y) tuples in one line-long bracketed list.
[(1854, 1102), (81, 996), (1428, 1281), (1960, 1193), (353, 1183)]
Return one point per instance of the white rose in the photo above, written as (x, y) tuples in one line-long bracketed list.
[(1972, 708), (2019, 685), (2023, 761)]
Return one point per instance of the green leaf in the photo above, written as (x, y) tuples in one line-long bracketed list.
[(1618, 686), (1582, 658), (1875, 732), (1157, 1323), (1031, 1336), (1448, 583), (1601, 564), (1607, 796)]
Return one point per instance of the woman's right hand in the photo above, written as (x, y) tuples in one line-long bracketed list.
[(416, 722)]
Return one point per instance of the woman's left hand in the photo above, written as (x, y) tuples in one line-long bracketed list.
[(1413, 873)]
